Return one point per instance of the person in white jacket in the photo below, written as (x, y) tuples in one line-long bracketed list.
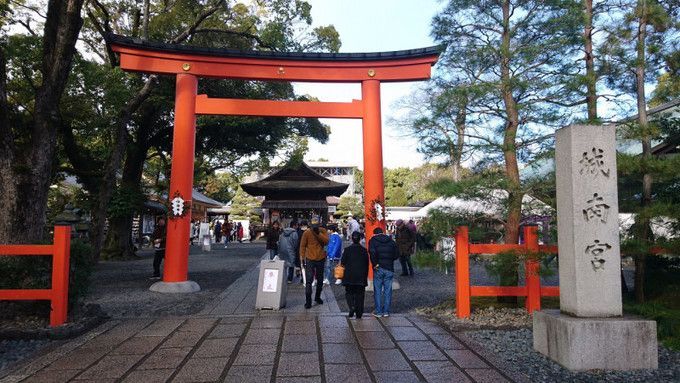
[(352, 226)]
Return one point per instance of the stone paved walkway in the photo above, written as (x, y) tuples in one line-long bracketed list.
[(231, 342)]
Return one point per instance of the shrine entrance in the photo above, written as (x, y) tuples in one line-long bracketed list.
[(189, 63)]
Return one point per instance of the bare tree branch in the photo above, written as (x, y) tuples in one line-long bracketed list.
[(197, 22), (247, 35)]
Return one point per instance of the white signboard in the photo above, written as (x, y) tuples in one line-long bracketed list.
[(271, 279), (147, 224), (447, 246)]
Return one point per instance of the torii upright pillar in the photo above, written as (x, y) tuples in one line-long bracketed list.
[(374, 191), (175, 268), (374, 194)]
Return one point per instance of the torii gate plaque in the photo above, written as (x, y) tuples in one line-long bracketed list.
[(189, 63)]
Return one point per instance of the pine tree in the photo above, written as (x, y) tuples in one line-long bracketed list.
[(524, 51), (633, 52)]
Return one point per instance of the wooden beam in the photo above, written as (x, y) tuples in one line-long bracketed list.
[(494, 248), (498, 291), (22, 250), (147, 61), (25, 295), (270, 108)]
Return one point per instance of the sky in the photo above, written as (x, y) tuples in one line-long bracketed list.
[(370, 26)]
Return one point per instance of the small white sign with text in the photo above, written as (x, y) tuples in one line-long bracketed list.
[(271, 279)]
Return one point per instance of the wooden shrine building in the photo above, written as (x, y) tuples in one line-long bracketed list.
[(294, 193)]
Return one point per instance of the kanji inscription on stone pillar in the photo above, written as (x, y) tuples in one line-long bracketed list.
[(587, 224)]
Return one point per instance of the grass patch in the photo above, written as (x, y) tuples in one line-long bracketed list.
[(665, 310), (430, 259)]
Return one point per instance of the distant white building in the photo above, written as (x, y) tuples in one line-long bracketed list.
[(343, 173)]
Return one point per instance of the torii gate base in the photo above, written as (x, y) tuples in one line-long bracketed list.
[(188, 63)]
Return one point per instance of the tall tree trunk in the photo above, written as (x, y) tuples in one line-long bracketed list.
[(591, 76), (26, 176), (643, 223), (113, 163), (461, 118), (8, 191), (118, 243), (510, 135), (510, 151)]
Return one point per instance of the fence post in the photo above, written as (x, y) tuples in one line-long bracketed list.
[(462, 273), (60, 270), (531, 267)]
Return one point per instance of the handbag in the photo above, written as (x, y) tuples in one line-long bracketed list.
[(339, 271)]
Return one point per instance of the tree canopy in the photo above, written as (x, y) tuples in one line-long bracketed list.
[(110, 124)]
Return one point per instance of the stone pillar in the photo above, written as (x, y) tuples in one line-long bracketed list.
[(587, 221), (589, 331)]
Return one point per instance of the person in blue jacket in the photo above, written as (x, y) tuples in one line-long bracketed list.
[(333, 252)]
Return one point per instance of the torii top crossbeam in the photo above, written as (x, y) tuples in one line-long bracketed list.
[(153, 57), (188, 63)]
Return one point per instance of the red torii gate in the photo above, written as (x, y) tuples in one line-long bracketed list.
[(188, 63)]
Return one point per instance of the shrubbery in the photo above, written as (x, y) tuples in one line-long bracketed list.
[(431, 259), (511, 261)]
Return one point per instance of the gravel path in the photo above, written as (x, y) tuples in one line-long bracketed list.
[(514, 350), (12, 351), (122, 288)]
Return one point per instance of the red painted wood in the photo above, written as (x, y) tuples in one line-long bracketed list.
[(176, 264), (533, 289), (60, 271), (57, 295), (374, 189), (498, 291), (533, 280), (21, 250), (25, 295), (141, 60), (494, 248), (270, 108), (462, 273), (550, 291)]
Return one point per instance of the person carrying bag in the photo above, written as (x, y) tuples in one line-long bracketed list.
[(313, 259)]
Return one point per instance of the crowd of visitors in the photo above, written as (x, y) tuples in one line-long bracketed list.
[(220, 231), (317, 251)]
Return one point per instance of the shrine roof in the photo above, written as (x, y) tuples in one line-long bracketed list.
[(300, 180), (131, 42)]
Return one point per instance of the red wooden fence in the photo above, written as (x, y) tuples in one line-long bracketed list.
[(532, 290), (58, 294)]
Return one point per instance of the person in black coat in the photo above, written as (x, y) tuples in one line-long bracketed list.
[(384, 252), (355, 261)]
